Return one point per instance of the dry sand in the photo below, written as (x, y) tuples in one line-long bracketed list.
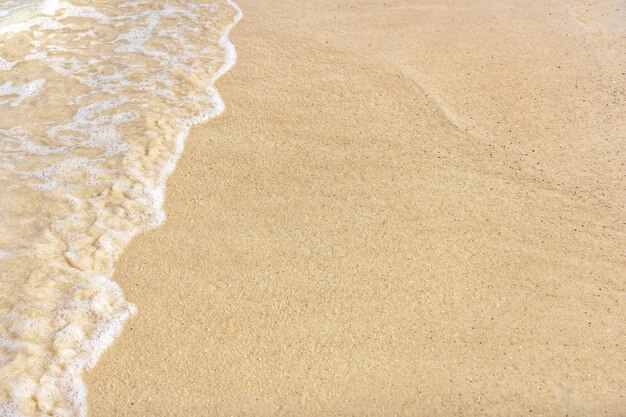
[(408, 208)]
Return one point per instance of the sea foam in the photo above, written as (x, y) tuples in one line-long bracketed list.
[(96, 100)]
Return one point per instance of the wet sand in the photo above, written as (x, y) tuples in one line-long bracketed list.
[(407, 208)]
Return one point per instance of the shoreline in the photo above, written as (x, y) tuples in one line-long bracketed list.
[(335, 243), (83, 168)]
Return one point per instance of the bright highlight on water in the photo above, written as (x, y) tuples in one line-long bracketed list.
[(96, 100)]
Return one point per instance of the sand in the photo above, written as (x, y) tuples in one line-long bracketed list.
[(407, 208)]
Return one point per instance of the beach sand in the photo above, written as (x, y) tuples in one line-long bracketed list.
[(407, 208)]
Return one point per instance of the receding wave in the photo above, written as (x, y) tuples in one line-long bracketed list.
[(96, 100)]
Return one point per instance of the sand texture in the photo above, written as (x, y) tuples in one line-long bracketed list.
[(407, 208)]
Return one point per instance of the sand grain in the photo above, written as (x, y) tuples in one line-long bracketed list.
[(406, 209)]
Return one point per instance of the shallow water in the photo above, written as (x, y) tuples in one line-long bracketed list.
[(96, 100), (18, 15)]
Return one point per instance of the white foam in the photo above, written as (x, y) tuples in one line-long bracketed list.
[(22, 92), (5, 65), (137, 79), (50, 7), (21, 15)]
